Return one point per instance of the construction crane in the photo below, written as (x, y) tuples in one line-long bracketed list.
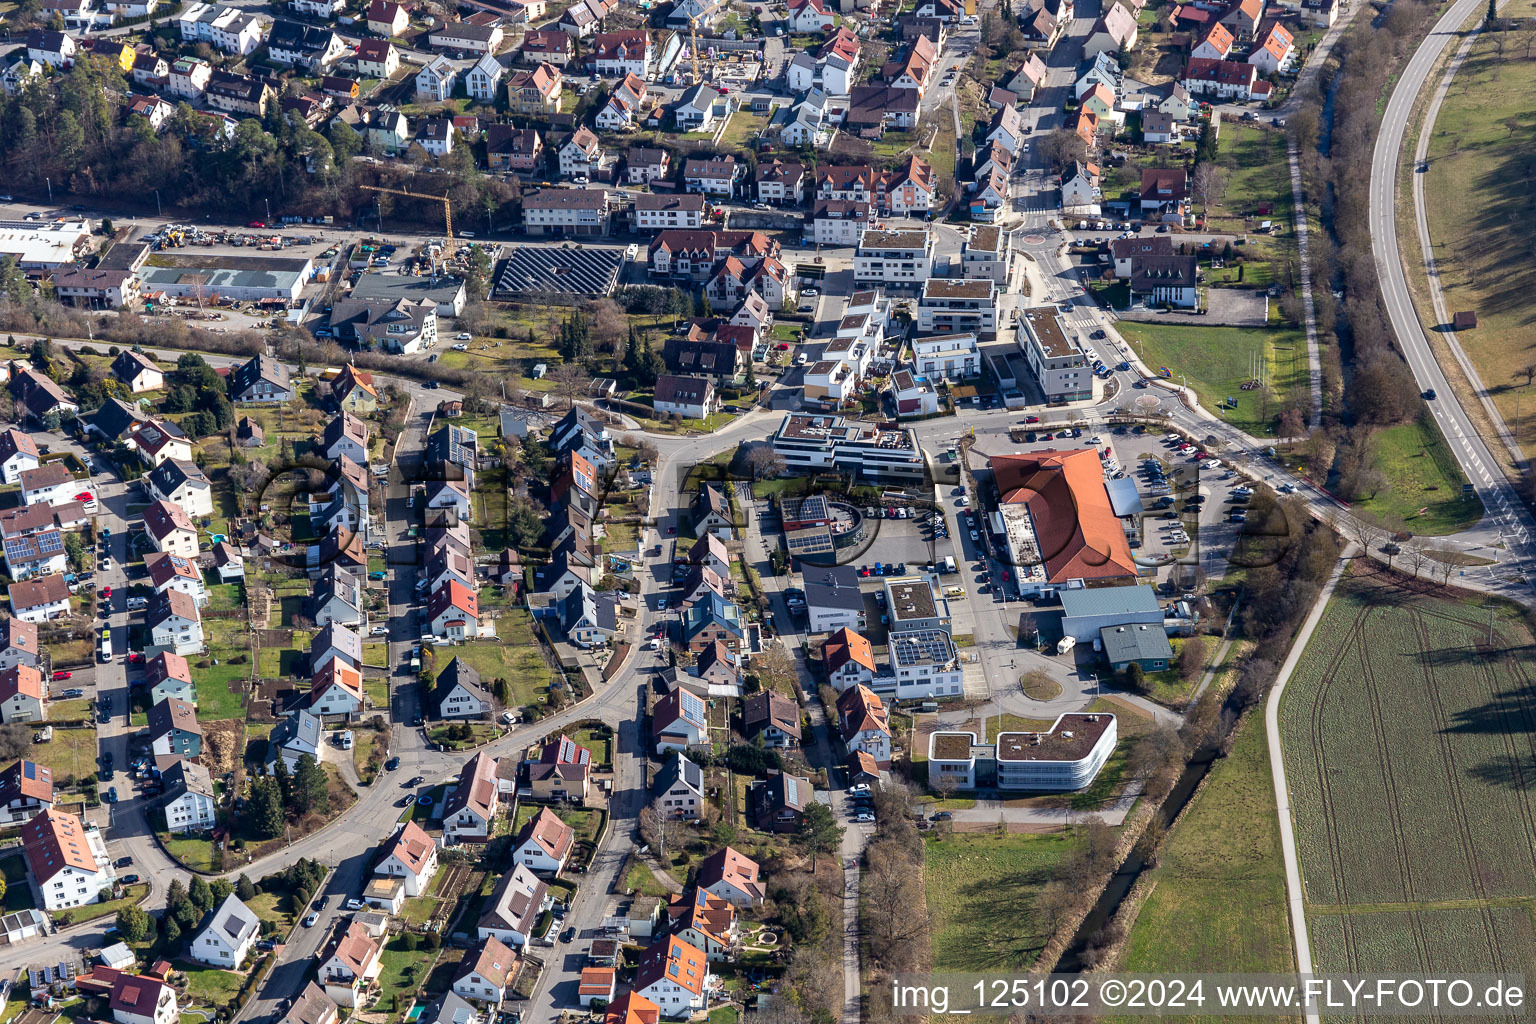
[(693, 51), (447, 207)]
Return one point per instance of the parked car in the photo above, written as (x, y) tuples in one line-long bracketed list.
[(62, 675), (129, 880), (309, 922), (392, 764)]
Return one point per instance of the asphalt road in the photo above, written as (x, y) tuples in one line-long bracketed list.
[(1505, 513)]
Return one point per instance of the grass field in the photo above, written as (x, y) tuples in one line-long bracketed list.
[(1479, 202), (70, 752), (1219, 901), (18, 894), (1407, 747), (980, 891), (1217, 359), (1257, 177), (1421, 472), (514, 656), (94, 911)]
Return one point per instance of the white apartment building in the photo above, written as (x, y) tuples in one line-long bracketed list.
[(893, 258), (948, 305), (67, 862), (946, 357), (808, 443), (224, 28), (1056, 359), (924, 664)]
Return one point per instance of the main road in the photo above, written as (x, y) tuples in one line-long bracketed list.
[(1504, 509)]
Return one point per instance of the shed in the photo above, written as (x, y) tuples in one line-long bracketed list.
[(1464, 321), (1144, 644)]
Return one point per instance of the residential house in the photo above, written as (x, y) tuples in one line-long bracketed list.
[(1220, 79), (1113, 32), (864, 723), (18, 643), (350, 965), (778, 802), (174, 623), (460, 692), (732, 876), (673, 974), (678, 791), (22, 695), (1244, 17), (18, 453), (849, 660), (780, 182), (706, 921), (771, 719), (700, 107), (471, 805), (377, 58), (1164, 192), (67, 862), (311, 1006), (49, 484), (305, 46), (434, 82), (1216, 45), (154, 441), (589, 618), (519, 150), (143, 999), (561, 771), (55, 49), (632, 1008), (644, 165), (26, 790), (40, 599), (596, 984), (20, 72), (410, 855), (810, 17), (181, 483), (138, 371), (387, 19), (168, 675), (712, 619), (544, 844), (536, 92), (678, 721), (227, 935), (486, 972), (618, 54), (298, 734), (1272, 52), (174, 729), (453, 612), (1165, 280), (483, 81), (692, 398), (173, 572), (514, 907), (466, 37), (336, 689), (659, 211), (170, 530), (548, 45), (189, 797), (261, 379), (625, 105), (338, 597), (1159, 129), (35, 554)]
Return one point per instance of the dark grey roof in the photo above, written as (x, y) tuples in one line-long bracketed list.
[(680, 769), (114, 418), (833, 587), (460, 673)]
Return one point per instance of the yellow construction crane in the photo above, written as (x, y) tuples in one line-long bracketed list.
[(693, 28), (447, 207)]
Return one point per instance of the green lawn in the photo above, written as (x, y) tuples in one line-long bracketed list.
[(18, 893), (196, 854), (1258, 176), (209, 987), (281, 662), (600, 742), (980, 891), (1216, 361), (71, 752), (269, 907), (584, 821), (1219, 901), (403, 972), (93, 911), (1420, 472), (514, 656), (1478, 200)]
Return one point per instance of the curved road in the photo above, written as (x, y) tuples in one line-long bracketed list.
[(1504, 510)]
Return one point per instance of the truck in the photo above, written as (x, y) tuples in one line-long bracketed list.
[(1066, 644), (106, 645)]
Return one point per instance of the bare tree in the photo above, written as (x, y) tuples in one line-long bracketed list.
[(944, 785), (1528, 371), (658, 830), (1415, 555), (570, 381), (896, 932), (764, 462), (1028, 627), (1363, 530), (1209, 181)]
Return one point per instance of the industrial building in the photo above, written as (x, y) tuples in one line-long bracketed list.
[(206, 277), (44, 245)]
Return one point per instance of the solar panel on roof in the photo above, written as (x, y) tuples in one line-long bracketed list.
[(50, 543), (29, 769)]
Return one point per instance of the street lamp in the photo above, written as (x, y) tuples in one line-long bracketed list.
[(157, 203), (269, 208)]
